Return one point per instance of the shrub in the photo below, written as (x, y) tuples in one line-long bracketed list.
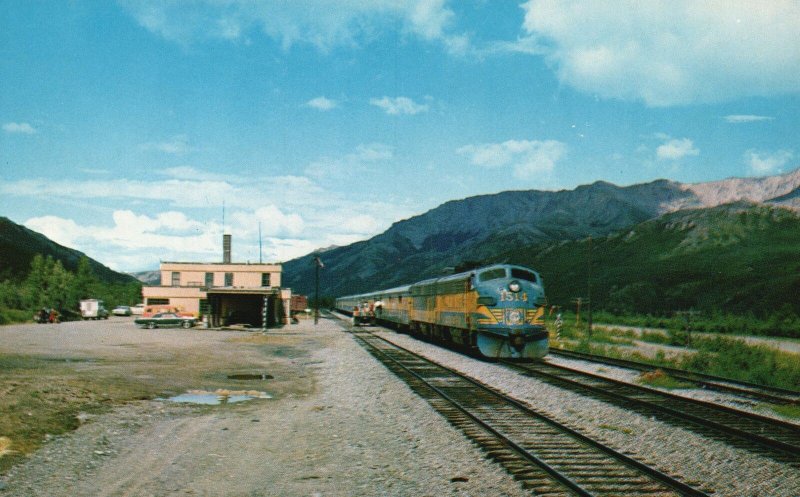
[(9, 316)]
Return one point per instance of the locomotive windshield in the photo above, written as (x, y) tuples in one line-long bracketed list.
[(492, 274), (523, 275)]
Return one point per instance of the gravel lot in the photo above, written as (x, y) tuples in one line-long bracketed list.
[(339, 424)]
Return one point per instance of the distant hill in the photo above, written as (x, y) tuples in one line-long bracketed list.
[(740, 258), (152, 278), (490, 227), (18, 246), (470, 229)]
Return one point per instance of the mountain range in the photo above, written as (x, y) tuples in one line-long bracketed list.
[(520, 226), (731, 245)]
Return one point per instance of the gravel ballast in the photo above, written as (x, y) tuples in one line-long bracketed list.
[(709, 464)]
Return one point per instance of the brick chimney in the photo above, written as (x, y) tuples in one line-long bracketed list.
[(226, 249)]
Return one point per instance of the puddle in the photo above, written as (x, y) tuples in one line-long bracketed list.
[(218, 397), (262, 376)]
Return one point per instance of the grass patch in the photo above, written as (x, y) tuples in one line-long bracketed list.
[(736, 359), (9, 316), (660, 379), (626, 431), (719, 356), (787, 411), (43, 397)]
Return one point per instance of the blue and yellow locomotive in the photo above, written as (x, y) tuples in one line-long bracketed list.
[(496, 311)]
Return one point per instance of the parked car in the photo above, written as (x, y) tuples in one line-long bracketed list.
[(165, 320), (46, 315), (93, 309), (121, 310), (137, 310)]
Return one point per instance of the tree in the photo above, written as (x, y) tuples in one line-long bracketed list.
[(48, 284), (85, 283)]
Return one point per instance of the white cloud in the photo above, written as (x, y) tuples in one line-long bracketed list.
[(399, 105), (746, 118), (362, 159), (362, 224), (676, 149), (19, 128), (177, 145), (274, 222), (670, 52), (527, 157), (189, 172), (321, 23), (134, 241), (322, 104), (178, 193), (761, 163), (183, 218)]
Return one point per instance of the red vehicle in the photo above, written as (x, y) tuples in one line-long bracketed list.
[(364, 313), (152, 310)]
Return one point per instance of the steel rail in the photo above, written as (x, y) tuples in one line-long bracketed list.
[(775, 395), (651, 473), (752, 431)]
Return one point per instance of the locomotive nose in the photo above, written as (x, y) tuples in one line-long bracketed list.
[(517, 340)]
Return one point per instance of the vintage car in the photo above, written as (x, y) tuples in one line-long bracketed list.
[(121, 310), (165, 320)]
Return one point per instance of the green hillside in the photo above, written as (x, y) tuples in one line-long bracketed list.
[(469, 229), (19, 245), (36, 273), (737, 259)]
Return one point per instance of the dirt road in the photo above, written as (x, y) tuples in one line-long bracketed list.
[(337, 423)]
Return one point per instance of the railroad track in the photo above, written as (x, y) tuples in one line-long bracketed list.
[(765, 436), (546, 457), (762, 393)]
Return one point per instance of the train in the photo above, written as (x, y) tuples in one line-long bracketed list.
[(495, 311)]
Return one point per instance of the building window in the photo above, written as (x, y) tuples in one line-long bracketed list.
[(157, 301), (209, 280), (176, 278), (205, 308), (228, 279), (265, 279)]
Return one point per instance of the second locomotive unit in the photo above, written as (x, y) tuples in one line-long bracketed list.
[(496, 311)]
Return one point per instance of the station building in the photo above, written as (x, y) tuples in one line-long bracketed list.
[(223, 293)]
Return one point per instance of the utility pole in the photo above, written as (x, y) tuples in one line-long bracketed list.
[(687, 317), (578, 301), (589, 286), (317, 266)]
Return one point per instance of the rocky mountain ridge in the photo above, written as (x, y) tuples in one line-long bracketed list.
[(480, 227), (782, 189)]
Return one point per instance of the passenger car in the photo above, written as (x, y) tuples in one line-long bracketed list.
[(493, 311), (165, 320), (137, 310), (121, 310)]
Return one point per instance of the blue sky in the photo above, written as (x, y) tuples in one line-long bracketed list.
[(127, 125)]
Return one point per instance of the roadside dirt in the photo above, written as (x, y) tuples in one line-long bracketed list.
[(338, 423)]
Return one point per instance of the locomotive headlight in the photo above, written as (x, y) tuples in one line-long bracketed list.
[(514, 286)]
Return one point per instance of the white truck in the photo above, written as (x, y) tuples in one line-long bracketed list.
[(93, 309)]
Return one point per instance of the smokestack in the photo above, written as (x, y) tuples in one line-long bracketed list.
[(226, 249)]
